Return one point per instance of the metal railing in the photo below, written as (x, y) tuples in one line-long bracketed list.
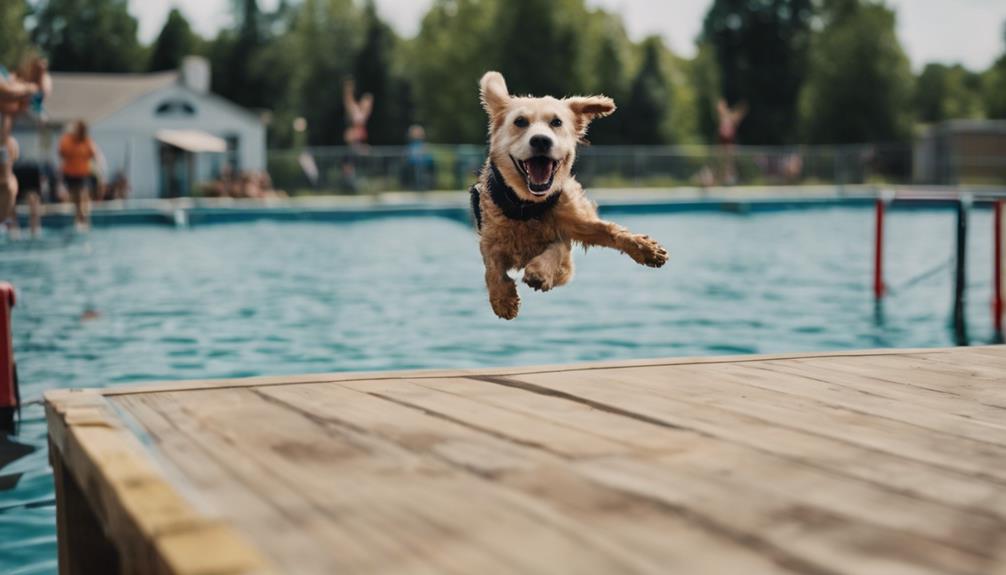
[(441, 167)]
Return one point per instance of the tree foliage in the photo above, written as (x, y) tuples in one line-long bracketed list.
[(947, 92), (994, 86), (447, 58), (88, 36), (823, 71), (327, 36), (649, 99), (236, 59), (859, 88), (761, 52), (374, 73), (175, 42), (13, 38), (611, 67), (547, 59)]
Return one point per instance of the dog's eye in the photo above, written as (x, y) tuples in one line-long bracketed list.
[(555, 123), (521, 122)]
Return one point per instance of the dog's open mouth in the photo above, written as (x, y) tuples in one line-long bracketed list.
[(539, 171)]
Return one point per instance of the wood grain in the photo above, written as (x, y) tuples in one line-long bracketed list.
[(854, 462)]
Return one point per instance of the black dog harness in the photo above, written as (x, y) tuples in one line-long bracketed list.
[(508, 201)]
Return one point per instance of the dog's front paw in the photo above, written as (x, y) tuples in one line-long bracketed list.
[(646, 251), (506, 305), (537, 279)]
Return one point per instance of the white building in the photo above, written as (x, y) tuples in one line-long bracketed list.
[(166, 132)]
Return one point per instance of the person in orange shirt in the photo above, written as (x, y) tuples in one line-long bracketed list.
[(77, 151)]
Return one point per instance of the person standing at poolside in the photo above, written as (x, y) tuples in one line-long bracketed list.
[(31, 174), (78, 151), (730, 121), (15, 99)]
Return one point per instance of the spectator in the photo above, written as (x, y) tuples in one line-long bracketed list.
[(16, 97), (78, 151)]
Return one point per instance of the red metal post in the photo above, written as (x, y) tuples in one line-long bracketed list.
[(878, 252), (8, 391), (997, 268)]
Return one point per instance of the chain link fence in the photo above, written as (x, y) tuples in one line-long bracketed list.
[(438, 167)]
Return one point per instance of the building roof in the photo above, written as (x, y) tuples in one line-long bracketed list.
[(94, 96)]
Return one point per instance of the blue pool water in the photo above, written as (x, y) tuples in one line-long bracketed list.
[(274, 298)]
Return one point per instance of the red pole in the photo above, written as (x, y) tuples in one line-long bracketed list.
[(997, 268), (878, 252), (8, 391)]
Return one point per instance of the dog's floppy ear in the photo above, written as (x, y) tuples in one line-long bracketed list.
[(494, 94), (587, 108)]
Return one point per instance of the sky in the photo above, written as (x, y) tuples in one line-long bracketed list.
[(948, 31)]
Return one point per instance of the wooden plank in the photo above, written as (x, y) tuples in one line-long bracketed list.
[(717, 359), (861, 399), (226, 492), (572, 441), (715, 386), (658, 540), (856, 384), (268, 380), (930, 374), (881, 461), (150, 523), (389, 503), (82, 545), (155, 387), (834, 454), (958, 539), (989, 355), (481, 396), (826, 537)]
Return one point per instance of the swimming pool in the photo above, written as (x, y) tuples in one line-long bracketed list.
[(287, 297)]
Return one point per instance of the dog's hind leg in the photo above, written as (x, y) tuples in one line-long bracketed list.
[(551, 268)]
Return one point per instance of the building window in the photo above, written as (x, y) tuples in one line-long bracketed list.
[(175, 108)]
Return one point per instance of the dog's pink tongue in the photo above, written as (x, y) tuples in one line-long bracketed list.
[(540, 169)]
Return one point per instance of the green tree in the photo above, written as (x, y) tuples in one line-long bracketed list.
[(994, 86), (705, 77), (374, 74), (13, 38), (539, 49), (327, 37), (860, 85), (234, 54), (611, 62), (761, 52), (451, 52), (649, 101), (946, 93), (175, 42), (88, 35)]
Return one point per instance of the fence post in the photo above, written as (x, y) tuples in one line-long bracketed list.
[(8, 374), (884, 197), (997, 271), (960, 277)]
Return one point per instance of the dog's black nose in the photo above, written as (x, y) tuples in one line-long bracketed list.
[(541, 143)]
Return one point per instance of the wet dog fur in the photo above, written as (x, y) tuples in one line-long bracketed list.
[(532, 143)]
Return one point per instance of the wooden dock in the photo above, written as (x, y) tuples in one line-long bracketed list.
[(888, 462)]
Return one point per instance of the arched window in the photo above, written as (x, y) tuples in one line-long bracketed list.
[(175, 108)]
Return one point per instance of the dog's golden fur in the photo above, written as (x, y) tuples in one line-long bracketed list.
[(542, 246)]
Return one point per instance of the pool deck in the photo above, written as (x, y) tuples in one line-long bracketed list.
[(856, 462), (454, 205)]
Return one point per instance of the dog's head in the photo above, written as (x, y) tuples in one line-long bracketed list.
[(532, 141)]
